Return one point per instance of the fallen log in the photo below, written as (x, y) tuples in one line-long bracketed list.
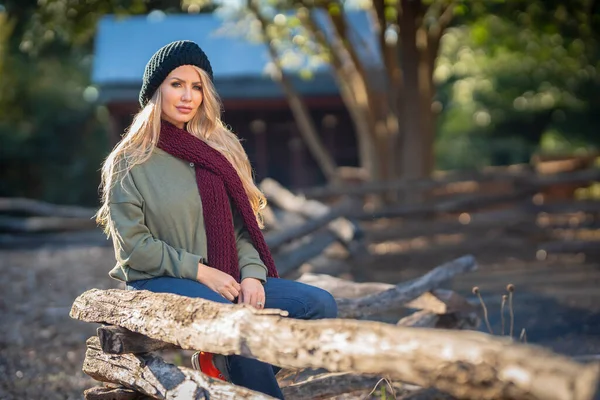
[(571, 246), (459, 320), (428, 319), (277, 239), (44, 224), (465, 364), (311, 209), (344, 385), (471, 223), (118, 340), (587, 206), (580, 177), (588, 358), (342, 288), (286, 200), (112, 393), (420, 319), (404, 292), (288, 261), (151, 376), (461, 204), (26, 241), (522, 176), (438, 301), (494, 175), (329, 385), (20, 205)]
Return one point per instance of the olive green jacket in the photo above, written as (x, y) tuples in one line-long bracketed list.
[(157, 224)]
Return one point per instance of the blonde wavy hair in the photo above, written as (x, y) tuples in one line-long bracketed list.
[(141, 138)]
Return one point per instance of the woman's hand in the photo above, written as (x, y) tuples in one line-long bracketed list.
[(219, 281), (252, 293)]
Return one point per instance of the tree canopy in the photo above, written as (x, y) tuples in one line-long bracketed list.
[(466, 83)]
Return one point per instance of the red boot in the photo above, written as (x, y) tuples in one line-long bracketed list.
[(205, 363)]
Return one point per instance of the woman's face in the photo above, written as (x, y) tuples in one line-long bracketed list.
[(181, 94)]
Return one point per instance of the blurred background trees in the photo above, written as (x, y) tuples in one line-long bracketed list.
[(467, 83)]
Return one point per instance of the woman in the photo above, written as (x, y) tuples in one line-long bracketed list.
[(183, 211)]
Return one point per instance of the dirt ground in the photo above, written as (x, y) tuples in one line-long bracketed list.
[(42, 349)]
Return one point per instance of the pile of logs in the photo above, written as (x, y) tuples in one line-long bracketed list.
[(424, 355)]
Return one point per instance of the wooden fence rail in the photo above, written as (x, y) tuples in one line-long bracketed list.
[(463, 364)]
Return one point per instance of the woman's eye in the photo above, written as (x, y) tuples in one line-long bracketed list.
[(175, 84), (198, 87)]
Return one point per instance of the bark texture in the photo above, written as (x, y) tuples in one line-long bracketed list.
[(464, 364), (151, 376)]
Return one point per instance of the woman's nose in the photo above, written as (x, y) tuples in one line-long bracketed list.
[(187, 95)]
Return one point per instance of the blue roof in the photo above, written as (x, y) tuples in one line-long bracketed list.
[(125, 44)]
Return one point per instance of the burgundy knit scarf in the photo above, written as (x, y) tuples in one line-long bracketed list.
[(218, 182)]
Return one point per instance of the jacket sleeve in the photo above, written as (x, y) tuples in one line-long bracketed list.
[(134, 244), (251, 266)]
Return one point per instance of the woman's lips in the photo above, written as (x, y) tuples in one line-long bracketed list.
[(184, 110)]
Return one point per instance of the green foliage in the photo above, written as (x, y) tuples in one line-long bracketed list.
[(521, 80), (51, 143), (52, 140)]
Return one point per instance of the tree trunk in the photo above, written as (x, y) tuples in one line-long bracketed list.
[(383, 121), (462, 363), (304, 120), (416, 149), (353, 90)]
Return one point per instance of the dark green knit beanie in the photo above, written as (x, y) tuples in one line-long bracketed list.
[(166, 59)]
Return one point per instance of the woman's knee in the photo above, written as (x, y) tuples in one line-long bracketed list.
[(323, 304)]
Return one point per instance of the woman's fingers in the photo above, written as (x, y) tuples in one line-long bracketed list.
[(227, 294), (235, 291)]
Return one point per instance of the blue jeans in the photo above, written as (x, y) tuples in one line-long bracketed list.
[(301, 301)]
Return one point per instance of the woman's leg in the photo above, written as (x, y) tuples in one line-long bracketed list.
[(300, 300), (247, 372)]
